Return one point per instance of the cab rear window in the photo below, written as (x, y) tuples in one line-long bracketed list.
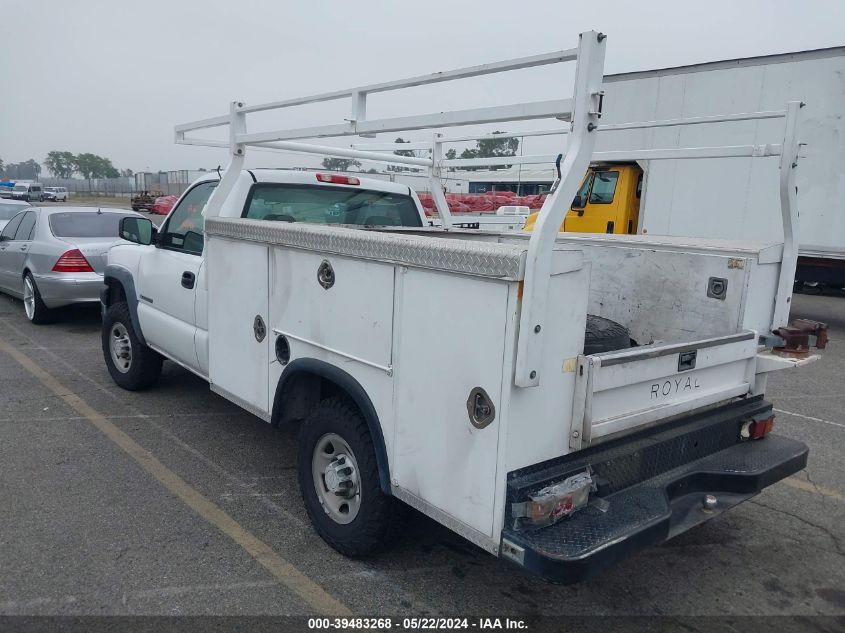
[(316, 204)]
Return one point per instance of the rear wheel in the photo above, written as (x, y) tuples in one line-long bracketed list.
[(132, 365), (33, 306), (339, 481)]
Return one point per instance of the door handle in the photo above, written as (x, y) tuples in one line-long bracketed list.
[(188, 279)]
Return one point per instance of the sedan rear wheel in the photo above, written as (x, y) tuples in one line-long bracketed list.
[(33, 306)]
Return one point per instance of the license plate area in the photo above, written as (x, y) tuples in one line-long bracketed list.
[(620, 391)]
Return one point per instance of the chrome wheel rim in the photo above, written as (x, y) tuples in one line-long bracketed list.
[(335, 473), (29, 298), (120, 347)]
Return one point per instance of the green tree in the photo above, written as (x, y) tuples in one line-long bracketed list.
[(127, 173), (451, 154), (402, 152), (93, 166), (2, 167), (60, 164), (26, 170), (339, 164), (492, 148)]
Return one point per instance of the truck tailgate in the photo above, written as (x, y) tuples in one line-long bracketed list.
[(622, 390)]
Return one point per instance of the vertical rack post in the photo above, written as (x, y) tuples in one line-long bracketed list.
[(586, 101), (436, 183), (789, 214), (237, 126)]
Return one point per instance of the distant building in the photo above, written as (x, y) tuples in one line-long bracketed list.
[(523, 182)]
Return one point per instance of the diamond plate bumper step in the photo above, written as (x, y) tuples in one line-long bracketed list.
[(658, 484)]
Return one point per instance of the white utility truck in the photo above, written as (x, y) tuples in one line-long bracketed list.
[(559, 400)]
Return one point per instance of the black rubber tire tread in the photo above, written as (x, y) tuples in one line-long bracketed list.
[(42, 314), (381, 517), (604, 335), (146, 363)]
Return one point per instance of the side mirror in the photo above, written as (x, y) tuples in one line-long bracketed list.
[(137, 230), (577, 202)]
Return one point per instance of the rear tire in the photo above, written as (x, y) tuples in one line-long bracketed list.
[(132, 365), (333, 437), (33, 305)]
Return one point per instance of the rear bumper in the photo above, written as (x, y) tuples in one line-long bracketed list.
[(655, 484), (57, 291)]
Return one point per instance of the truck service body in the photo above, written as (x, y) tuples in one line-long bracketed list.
[(445, 368)]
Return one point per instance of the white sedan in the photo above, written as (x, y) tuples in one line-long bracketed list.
[(8, 209)]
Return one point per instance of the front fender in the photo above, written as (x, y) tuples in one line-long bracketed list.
[(115, 274)]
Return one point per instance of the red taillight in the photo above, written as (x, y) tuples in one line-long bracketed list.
[(337, 179), (72, 262), (755, 429)]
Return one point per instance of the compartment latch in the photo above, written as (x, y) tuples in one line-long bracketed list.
[(686, 360)]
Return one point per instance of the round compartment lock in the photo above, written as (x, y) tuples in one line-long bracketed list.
[(258, 328), (325, 274), (480, 408)]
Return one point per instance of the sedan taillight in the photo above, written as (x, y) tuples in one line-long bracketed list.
[(72, 262)]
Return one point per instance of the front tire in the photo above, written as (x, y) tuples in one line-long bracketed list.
[(33, 306), (132, 365), (339, 481)]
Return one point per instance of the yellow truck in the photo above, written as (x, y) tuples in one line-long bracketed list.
[(608, 201)]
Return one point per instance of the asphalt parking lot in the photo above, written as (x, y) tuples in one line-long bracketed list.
[(174, 501)]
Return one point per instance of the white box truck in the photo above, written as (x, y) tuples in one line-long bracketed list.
[(559, 401), (733, 198)]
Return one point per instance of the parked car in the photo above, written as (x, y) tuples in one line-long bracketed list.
[(56, 194), (163, 204), (9, 208), (28, 191), (52, 257)]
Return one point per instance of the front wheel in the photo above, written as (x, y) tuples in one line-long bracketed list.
[(132, 365), (339, 481)]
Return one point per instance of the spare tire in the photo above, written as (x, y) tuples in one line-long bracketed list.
[(604, 335)]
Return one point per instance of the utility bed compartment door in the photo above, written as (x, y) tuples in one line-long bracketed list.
[(238, 353), (618, 391)]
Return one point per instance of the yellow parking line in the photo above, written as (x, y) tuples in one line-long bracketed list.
[(806, 486), (285, 572)]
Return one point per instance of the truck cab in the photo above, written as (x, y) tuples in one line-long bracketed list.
[(608, 201)]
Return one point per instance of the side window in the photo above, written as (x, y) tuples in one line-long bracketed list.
[(184, 228), (10, 229), (582, 192), (26, 227), (604, 187)]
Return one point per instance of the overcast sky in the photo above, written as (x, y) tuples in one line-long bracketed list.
[(113, 77)]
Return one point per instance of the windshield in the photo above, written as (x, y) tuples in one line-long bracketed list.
[(604, 186), (315, 204), (20, 188), (7, 211), (85, 224)]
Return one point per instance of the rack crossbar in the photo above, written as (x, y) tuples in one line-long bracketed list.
[(742, 116), (422, 80)]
